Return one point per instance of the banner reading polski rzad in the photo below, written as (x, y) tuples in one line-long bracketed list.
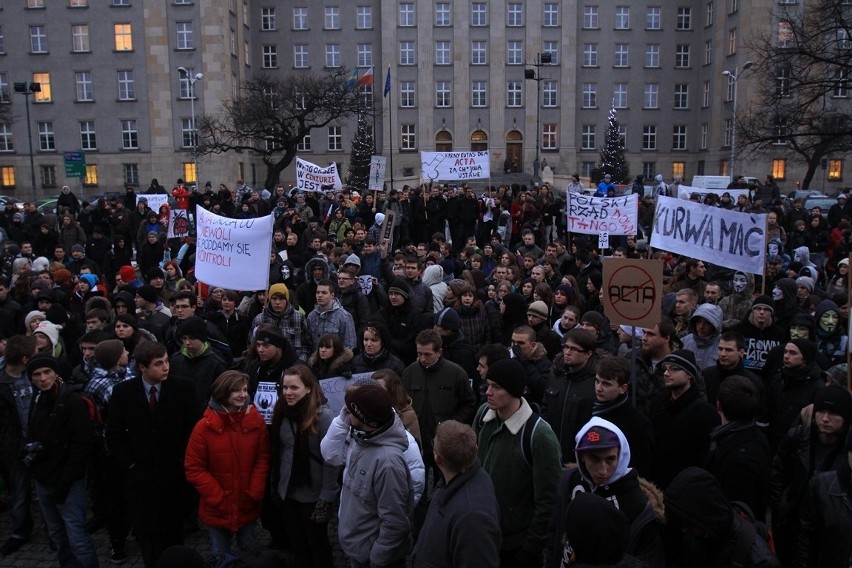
[(232, 253), (595, 215), (728, 238), (311, 177), (450, 166)]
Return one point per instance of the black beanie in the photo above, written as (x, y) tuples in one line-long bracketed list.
[(40, 362), (128, 319), (509, 374), (193, 327), (834, 399), (400, 286), (808, 349), (147, 293), (371, 404)]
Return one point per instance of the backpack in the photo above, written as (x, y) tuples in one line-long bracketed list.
[(96, 421), (753, 544), (525, 435)]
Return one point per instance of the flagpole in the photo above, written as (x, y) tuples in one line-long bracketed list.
[(387, 94)]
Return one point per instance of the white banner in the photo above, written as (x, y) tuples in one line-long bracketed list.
[(377, 173), (596, 215), (334, 389), (233, 253), (448, 166), (178, 224), (685, 192), (311, 177), (155, 200), (727, 238)]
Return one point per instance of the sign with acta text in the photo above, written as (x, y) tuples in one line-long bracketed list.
[(311, 177), (450, 166), (728, 238), (633, 291), (334, 389), (596, 215), (232, 253), (377, 173)]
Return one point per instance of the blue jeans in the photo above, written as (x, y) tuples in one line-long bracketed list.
[(220, 539), (66, 525), (21, 491)]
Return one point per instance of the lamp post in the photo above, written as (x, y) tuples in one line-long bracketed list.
[(735, 77), (192, 78), (535, 75), (28, 89)]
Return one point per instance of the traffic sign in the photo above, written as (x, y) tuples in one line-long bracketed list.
[(75, 164)]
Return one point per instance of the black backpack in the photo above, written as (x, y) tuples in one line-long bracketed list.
[(526, 434), (753, 545)]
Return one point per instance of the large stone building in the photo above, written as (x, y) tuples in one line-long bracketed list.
[(465, 75)]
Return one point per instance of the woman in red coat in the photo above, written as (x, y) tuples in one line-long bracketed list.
[(227, 460)]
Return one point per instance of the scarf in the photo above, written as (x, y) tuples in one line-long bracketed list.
[(300, 474), (599, 408), (371, 359)]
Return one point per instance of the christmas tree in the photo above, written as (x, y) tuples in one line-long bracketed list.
[(612, 153), (362, 152)]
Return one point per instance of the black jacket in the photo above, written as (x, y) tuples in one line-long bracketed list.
[(826, 521), (636, 428), (362, 363), (789, 392), (568, 399)]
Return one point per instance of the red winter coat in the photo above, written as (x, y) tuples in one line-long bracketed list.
[(227, 461)]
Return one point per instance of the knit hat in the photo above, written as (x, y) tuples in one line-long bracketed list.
[(595, 319), (278, 289), (685, 359), (40, 362), (774, 259), (371, 405), (78, 248), (400, 286), (509, 374), (352, 259), (808, 349), (127, 273), (147, 293), (837, 374), (380, 218), (155, 272), (39, 285), (843, 262), (448, 318), (40, 264), (764, 301), (834, 399), (32, 315), (89, 279), (538, 309), (193, 327), (805, 281), (276, 339), (56, 314), (598, 438), (108, 352), (50, 330), (566, 289), (128, 319)]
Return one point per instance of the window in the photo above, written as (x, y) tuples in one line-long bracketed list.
[(682, 56), (679, 137), (129, 135), (479, 94), (479, 53), (48, 175), (619, 95), (83, 83), (300, 18), (92, 175), (652, 55), (80, 38), (88, 140), (131, 174), (443, 53), (407, 97), (684, 19), (733, 6), (652, 96), (622, 52), (708, 52), (443, 14), (587, 138), (587, 167), (126, 86), (622, 17), (479, 14), (514, 53), (270, 56), (332, 18), (365, 54), (590, 17), (729, 132), (233, 41), (550, 18), (783, 78), (785, 36), (514, 94), (364, 17), (35, 3), (705, 129), (38, 39), (781, 130), (729, 92), (622, 135), (6, 142), (301, 57), (184, 35), (515, 15), (549, 94), (590, 95), (187, 130), (406, 14), (45, 95), (590, 55), (123, 37), (78, 3), (841, 84), (779, 169), (7, 176), (649, 137), (406, 53), (551, 47), (705, 95), (184, 2), (678, 169), (305, 144), (2, 41), (732, 41), (443, 94), (709, 14), (548, 137), (408, 137), (267, 19), (332, 55), (681, 96), (652, 18), (5, 93)]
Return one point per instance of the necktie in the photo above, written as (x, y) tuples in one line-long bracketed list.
[(152, 399)]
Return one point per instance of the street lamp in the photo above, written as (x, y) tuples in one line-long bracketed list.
[(28, 89), (192, 78), (535, 75), (735, 77)]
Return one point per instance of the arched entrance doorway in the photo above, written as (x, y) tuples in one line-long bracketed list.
[(515, 150), (478, 141), (444, 141)]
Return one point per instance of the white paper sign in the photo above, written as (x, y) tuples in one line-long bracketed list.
[(603, 240), (264, 400), (178, 224), (155, 200), (334, 389), (377, 173), (233, 253), (685, 192), (450, 166), (728, 238), (595, 215), (311, 177)]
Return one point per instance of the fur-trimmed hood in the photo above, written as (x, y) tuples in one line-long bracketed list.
[(336, 363)]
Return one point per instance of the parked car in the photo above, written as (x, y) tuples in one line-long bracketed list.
[(7, 198), (823, 202), (804, 194), (47, 205)]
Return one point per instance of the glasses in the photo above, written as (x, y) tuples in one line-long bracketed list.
[(573, 349), (671, 369)]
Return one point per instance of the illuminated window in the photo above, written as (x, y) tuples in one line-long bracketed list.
[(43, 96), (835, 170), (7, 176), (678, 168), (123, 37), (779, 169), (189, 174), (91, 175)]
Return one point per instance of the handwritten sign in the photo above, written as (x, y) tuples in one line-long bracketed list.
[(455, 165), (633, 291), (233, 253), (334, 389), (735, 240), (377, 173), (595, 215), (178, 223), (155, 200), (311, 177)]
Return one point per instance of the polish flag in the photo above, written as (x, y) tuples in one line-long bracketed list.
[(366, 78)]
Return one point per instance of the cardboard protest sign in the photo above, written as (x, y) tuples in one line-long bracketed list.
[(155, 200), (596, 215), (633, 291), (233, 253), (178, 223), (449, 166), (311, 177), (377, 173)]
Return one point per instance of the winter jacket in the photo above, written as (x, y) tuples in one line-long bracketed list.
[(338, 366), (758, 343), (826, 521), (788, 393), (292, 325), (16, 395), (356, 303), (334, 320), (636, 428), (363, 363), (201, 369), (537, 369), (706, 349), (475, 324), (227, 461), (568, 399), (832, 343), (306, 293), (433, 277)]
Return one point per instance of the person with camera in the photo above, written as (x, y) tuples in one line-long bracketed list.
[(57, 450)]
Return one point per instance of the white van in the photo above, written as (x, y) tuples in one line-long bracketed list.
[(711, 182)]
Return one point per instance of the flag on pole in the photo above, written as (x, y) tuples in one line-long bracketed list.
[(352, 81), (366, 78), (387, 83)]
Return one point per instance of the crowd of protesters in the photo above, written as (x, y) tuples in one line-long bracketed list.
[(496, 419)]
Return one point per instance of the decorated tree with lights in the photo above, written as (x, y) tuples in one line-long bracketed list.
[(613, 161), (359, 161)]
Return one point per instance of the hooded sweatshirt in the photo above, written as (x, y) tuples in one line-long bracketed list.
[(706, 349), (831, 343), (433, 276), (737, 305)]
